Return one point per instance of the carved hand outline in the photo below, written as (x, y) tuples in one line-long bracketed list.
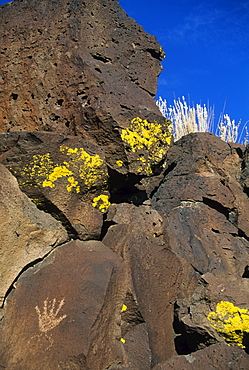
[(48, 319)]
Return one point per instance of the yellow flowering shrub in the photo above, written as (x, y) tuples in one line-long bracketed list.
[(81, 165), (91, 168), (151, 137), (231, 323), (101, 202)]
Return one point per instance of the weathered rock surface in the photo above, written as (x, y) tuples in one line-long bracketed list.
[(204, 206), (73, 301), (77, 67), (155, 271), (205, 211), (26, 233), (218, 356), (141, 296), (62, 175)]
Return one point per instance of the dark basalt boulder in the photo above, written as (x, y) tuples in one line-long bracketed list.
[(27, 234), (205, 213), (65, 176)]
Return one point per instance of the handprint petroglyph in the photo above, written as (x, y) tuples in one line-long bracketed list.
[(48, 319)]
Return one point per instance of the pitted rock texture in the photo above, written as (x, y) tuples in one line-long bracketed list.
[(206, 218), (26, 233), (219, 356), (62, 175), (76, 67), (152, 267), (204, 205)]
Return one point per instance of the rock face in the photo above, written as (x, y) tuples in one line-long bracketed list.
[(77, 298), (62, 175), (77, 67), (218, 356), (155, 275), (205, 209), (26, 233)]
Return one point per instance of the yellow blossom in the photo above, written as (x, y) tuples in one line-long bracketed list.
[(101, 202), (231, 322)]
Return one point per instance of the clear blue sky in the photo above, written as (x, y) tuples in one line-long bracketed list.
[(207, 48)]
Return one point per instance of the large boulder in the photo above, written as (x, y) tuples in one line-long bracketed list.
[(27, 234), (65, 176), (154, 271), (65, 312), (218, 356)]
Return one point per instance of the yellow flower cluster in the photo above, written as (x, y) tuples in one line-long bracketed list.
[(151, 137), (230, 322), (45, 172), (119, 163), (90, 167), (101, 202), (124, 308), (39, 167), (58, 171)]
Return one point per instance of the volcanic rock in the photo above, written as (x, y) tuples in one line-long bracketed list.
[(72, 300), (79, 131), (204, 206), (27, 234), (80, 68), (205, 213), (62, 175), (155, 271), (218, 356)]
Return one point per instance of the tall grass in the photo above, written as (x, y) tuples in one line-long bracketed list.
[(186, 119)]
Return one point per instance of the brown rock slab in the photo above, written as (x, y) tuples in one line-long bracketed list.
[(63, 175), (137, 348), (155, 272), (218, 356), (27, 234), (65, 311), (124, 214)]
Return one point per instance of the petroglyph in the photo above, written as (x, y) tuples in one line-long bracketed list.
[(48, 319)]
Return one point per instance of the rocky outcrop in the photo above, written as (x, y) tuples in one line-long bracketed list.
[(205, 210), (80, 68), (27, 234), (63, 175), (68, 295), (155, 275)]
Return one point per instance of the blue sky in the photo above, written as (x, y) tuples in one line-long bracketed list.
[(207, 50)]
